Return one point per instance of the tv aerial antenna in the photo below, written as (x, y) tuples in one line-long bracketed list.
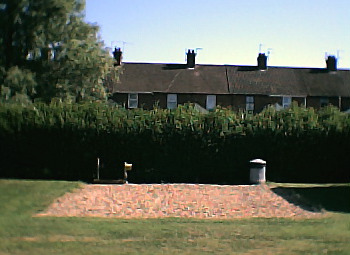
[(113, 44), (338, 55), (268, 51), (195, 51)]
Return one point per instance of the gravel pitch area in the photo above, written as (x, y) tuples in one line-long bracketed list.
[(175, 200)]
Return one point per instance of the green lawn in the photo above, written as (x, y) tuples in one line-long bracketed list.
[(20, 233)]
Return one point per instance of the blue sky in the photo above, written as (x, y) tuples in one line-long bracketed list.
[(299, 32)]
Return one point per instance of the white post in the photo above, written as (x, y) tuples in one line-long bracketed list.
[(127, 167), (125, 176), (98, 168)]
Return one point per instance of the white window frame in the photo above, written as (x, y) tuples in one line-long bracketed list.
[(211, 102), (286, 101), (171, 101), (133, 100), (249, 103)]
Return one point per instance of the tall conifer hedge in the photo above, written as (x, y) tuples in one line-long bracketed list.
[(63, 141)]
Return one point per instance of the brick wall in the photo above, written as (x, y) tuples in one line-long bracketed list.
[(200, 99), (121, 99), (315, 102), (299, 100), (235, 102), (345, 103)]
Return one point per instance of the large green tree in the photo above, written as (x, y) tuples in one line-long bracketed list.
[(47, 51)]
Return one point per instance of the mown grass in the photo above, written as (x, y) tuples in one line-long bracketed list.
[(21, 233)]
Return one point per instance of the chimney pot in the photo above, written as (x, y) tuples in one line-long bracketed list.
[(191, 59), (117, 54), (331, 63), (262, 61)]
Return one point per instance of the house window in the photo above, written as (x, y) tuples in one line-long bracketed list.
[(172, 101), (286, 102), (133, 100), (324, 101), (211, 102), (249, 102)]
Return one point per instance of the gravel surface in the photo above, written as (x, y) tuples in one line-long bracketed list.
[(175, 200)]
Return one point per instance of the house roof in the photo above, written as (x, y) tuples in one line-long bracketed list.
[(320, 82), (274, 81), (230, 79), (172, 78)]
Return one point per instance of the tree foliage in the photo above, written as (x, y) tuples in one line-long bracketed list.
[(48, 50)]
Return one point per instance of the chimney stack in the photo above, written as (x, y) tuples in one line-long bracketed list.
[(262, 62), (117, 53), (331, 63), (191, 59)]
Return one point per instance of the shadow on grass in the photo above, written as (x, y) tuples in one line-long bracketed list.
[(335, 199)]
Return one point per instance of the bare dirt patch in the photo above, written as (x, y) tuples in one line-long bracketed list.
[(175, 200)]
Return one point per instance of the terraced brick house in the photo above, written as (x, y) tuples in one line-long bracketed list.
[(239, 87)]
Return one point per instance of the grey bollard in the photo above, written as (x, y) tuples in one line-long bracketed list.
[(257, 171)]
